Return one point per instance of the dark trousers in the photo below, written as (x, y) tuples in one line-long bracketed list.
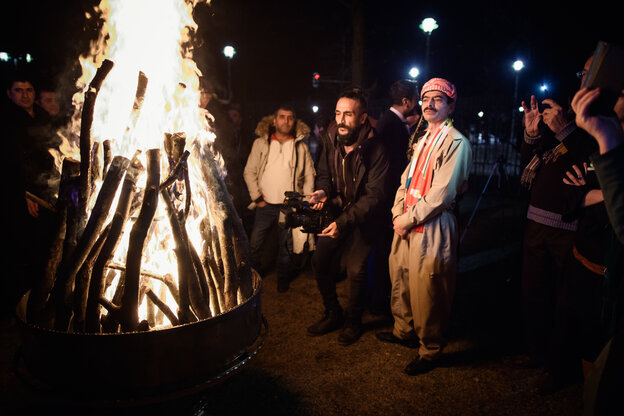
[(579, 333), (335, 256), (544, 253), (265, 220)]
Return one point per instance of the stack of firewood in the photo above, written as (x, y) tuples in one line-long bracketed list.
[(69, 296)]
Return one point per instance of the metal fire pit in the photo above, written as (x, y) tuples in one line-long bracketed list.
[(140, 366)]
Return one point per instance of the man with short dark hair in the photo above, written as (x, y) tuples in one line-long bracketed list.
[(423, 258), (352, 183), (279, 161), (48, 101), (28, 139), (393, 131)]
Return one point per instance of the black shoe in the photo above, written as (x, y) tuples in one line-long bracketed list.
[(330, 321), (419, 366), (282, 284), (351, 332), (388, 336)]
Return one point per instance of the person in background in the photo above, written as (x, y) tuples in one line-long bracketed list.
[(279, 161)]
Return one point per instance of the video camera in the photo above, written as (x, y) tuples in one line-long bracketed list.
[(295, 212)]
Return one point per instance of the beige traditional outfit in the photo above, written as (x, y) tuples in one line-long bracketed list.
[(423, 266)]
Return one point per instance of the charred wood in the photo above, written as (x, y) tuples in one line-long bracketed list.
[(85, 136), (96, 166), (107, 156), (96, 288), (177, 172), (83, 278), (230, 231), (41, 290), (190, 292), (62, 293), (162, 306), (138, 234)]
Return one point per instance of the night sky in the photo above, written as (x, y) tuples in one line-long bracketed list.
[(281, 43)]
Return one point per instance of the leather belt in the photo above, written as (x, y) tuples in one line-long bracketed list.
[(596, 268)]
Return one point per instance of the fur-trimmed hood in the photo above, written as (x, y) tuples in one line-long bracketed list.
[(266, 125)]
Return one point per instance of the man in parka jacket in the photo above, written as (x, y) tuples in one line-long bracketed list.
[(279, 161)]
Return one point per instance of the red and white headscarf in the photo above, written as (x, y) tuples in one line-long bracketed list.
[(439, 84)]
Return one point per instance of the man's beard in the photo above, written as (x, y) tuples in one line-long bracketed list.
[(349, 138)]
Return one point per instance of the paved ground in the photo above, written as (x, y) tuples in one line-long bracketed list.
[(294, 374)]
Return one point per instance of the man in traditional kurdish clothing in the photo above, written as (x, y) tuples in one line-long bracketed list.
[(423, 259)]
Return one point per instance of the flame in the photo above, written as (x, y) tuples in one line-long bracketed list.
[(149, 37)]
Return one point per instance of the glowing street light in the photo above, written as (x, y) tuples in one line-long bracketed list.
[(414, 72), (517, 66), (315, 108), (229, 53), (428, 25)]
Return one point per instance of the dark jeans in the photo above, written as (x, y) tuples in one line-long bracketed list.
[(544, 253), (335, 256), (265, 220)]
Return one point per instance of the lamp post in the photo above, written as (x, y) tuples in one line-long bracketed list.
[(229, 53), (413, 73), (428, 25), (517, 66)]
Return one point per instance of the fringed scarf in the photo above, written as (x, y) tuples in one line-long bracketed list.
[(421, 167)]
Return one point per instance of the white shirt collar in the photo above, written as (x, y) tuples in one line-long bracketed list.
[(398, 113)]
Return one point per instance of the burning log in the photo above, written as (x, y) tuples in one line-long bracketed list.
[(97, 172), (96, 288), (41, 291), (230, 233), (85, 136), (178, 171), (167, 279), (162, 306), (107, 156), (212, 268), (130, 298), (63, 288), (190, 294), (83, 278)]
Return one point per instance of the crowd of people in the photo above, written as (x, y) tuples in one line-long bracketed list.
[(391, 190)]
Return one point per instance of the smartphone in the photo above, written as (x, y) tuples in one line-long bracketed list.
[(607, 73)]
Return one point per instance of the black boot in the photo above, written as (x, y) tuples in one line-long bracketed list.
[(331, 320), (351, 331)]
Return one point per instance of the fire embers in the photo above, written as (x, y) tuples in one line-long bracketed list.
[(102, 275)]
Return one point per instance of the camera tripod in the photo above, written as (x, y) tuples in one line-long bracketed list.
[(498, 169)]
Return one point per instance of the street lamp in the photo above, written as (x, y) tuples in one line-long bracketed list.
[(229, 53), (428, 25), (413, 73), (517, 66)]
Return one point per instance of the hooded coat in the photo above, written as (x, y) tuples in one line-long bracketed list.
[(302, 168)]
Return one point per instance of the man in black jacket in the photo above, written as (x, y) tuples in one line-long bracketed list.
[(393, 130), (351, 181)]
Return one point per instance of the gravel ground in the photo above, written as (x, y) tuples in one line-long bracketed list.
[(294, 374)]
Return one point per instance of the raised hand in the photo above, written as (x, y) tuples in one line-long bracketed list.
[(532, 117)]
